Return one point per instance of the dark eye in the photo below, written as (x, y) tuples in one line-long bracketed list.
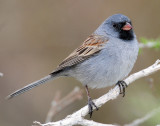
[(114, 25)]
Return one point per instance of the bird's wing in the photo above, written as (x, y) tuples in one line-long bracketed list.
[(92, 45)]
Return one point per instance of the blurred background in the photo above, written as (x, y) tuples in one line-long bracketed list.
[(36, 35)]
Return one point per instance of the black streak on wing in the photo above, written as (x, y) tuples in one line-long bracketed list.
[(89, 48)]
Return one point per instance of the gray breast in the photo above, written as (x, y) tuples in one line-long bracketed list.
[(112, 64)]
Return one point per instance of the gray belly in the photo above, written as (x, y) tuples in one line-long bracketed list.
[(105, 69)]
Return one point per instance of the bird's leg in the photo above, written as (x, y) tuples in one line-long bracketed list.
[(90, 102), (122, 86)]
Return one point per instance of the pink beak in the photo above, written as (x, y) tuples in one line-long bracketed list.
[(127, 27)]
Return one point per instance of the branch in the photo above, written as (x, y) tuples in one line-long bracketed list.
[(58, 105), (77, 117), (137, 122), (81, 121), (1, 74), (147, 45)]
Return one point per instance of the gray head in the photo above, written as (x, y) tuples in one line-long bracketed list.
[(118, 26)]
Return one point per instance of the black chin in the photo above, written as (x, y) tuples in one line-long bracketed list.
[(126, 35)]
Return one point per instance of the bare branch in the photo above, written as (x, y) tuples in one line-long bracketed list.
[(143, 119), (77, 117), (81, 121), (58, 105), (1, 74), (53, 109), (147, 45)]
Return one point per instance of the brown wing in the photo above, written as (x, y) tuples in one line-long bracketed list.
[(92, 45)]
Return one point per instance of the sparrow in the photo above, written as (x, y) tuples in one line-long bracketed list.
[(105, 58)]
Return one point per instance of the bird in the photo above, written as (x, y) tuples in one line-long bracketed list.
[(104, 59)]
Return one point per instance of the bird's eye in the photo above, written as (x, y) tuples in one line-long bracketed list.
[(114, 25)]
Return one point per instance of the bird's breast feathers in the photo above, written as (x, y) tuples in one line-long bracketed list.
[(113, 62)]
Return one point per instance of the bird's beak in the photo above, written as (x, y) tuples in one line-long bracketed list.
[(127, 27)]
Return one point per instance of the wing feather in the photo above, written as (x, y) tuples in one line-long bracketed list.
[(91, 46)]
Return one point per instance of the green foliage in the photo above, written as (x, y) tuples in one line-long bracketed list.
[(156, 42), (140, 51), (144, 40)]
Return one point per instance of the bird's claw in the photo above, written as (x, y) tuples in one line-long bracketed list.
[(90, 106), (122, 86)]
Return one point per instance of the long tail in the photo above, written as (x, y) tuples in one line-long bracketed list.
[(32, 85)]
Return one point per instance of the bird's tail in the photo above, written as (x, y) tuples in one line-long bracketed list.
[(32, 85)]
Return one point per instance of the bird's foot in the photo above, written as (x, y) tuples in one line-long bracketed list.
[(91, 104), (122, 86)]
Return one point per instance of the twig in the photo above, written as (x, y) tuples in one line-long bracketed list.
[(58, 105), (1, 74), (143, 119), (147, 45), (82, 122), (53, 109), (77, 117)]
